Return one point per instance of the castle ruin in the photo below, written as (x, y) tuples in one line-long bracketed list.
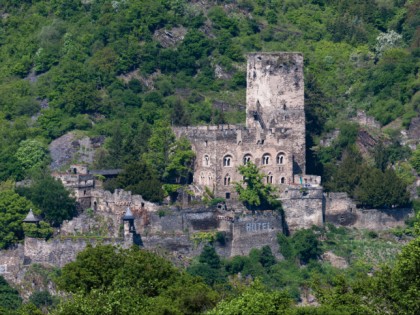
[(274, 135)]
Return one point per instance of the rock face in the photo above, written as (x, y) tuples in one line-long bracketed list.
[(70, 147), (169, 38)]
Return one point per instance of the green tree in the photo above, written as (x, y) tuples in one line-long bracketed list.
[(381, 190), (42, 299), (140, 179), (180, 163), (42, 230), (94, 268), (118, 281), (254, 300), (267, 258), (252, 191), (13, 209), (31, 154), (210, 257), (159, 145), (306, 245), (415, 160), (9, 297), (54, 200)]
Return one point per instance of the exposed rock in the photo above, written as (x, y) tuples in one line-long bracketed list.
[(328, 139), (365, 120), (365, 142), (71, 147), (146, 81), (220, 73), (334, 260), (413, 132), (169, 38)]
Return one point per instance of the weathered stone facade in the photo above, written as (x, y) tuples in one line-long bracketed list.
[(274, 136)]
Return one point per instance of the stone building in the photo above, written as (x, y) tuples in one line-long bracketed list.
[(273, 137)]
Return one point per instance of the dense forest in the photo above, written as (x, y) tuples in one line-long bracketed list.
[(128, 70)]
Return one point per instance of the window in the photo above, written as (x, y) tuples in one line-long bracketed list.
[(269, 178), (266, 159), (227, 161), (282, 180), (280, 158), (205, 143), (228, 195), (206, 160), (247, 158), (201, 180), (227, 180)]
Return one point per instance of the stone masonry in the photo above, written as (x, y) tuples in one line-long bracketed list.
[(274, 135)]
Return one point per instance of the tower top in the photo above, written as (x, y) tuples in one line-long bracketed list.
[(274, 87)]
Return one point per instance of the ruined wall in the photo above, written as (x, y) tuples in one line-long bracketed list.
[(303, 207), (342, 211), (55, 252), (256, 231), (11, 262), (275, 90)]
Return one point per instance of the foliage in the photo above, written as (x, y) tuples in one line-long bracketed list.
[(9, 297), (31, 154), (255, 300), (252, 191), (152, 284), (42, 230), (49, 195), (13, 209), (42, 299), (209, 256), (370, 186), (139, 178), (415, 160), (379, 189), (180, 165)]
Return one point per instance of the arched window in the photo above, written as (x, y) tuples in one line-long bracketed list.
[(247, 158), (202, 177), (266, 159), (280, 158), (269, 178), (227, 161), (206, 160), (209, 179), (227, 180), (282, 180)]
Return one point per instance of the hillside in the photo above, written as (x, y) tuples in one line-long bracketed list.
[(115, 68), (103, 82)]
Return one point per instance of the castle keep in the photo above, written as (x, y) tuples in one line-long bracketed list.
[(274, 135)]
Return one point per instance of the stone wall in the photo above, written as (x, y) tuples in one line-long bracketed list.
[(55, 252), (342, 211), (256, 231), (303, 207), (274, 137), (11, 262)]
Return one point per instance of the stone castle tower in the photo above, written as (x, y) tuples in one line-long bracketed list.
[(274, 135)]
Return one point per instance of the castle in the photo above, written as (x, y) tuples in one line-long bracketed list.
[(274, 135), (274, 139)]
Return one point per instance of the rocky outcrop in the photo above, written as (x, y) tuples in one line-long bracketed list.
[(72, 147)]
